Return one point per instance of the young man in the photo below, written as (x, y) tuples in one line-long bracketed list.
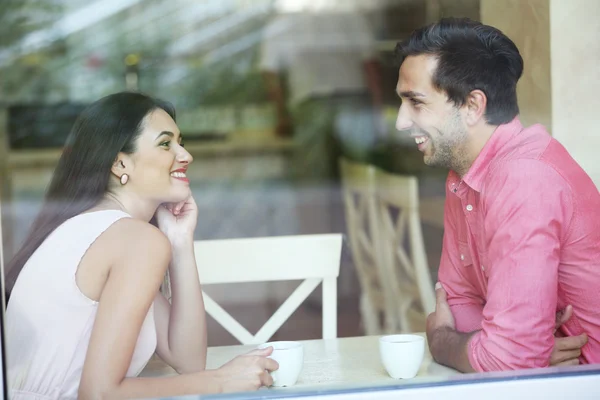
[(522, 236)]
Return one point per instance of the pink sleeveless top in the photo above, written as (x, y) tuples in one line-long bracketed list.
[(49, 320)]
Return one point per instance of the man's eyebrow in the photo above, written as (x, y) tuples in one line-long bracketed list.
[(411, 94)]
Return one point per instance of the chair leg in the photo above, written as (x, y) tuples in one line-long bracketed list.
[(369, 316)]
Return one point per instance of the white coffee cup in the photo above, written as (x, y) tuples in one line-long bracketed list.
[(290, 357), (402, 355)]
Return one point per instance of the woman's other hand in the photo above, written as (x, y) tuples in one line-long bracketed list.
[(247, 372)]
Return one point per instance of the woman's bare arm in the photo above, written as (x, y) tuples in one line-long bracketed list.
[(181, 325), (132, 284)]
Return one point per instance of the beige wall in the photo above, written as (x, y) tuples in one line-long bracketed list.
[(460, 8), (435, 9), (575, 59), (527, 23), (560, 87)]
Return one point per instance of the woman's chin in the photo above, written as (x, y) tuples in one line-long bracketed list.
[(177, 196)]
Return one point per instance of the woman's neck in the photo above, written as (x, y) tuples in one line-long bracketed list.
[(138, 209)]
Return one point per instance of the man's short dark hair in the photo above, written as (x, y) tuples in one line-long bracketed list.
[(470, 56)]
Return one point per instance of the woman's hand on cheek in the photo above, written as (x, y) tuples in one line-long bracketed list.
[(178, 220)]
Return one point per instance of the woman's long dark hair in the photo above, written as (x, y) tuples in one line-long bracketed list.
[(81, 179)]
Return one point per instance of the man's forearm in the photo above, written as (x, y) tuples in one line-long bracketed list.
[(451, 348), (468, 317)]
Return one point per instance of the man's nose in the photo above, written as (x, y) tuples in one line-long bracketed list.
[(403, 122)]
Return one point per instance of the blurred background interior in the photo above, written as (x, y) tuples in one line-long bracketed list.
[(288, 107)]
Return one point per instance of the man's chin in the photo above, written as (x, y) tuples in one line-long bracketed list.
[(429, 160), (434, 162)]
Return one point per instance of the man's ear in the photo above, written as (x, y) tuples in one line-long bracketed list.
[(121, 165), (475, 107)]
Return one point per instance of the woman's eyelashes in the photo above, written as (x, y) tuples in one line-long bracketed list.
[(167, 144)]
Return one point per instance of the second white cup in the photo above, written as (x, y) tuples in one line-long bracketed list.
[(290, 357), (402, 355)]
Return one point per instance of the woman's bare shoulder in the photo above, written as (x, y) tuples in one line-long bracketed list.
[(132, 239), (129, 249)]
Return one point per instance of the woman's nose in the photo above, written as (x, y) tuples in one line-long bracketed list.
[(183, 156)]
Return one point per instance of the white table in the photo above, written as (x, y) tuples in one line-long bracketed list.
[(328, 364)]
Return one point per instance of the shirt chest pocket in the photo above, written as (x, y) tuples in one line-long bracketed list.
[(471, 264), (464, 254), (484, 263)]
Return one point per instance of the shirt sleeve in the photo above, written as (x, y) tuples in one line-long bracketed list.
[(527, 208), (465, 301)]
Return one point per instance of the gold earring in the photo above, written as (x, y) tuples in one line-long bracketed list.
[(124, 179)]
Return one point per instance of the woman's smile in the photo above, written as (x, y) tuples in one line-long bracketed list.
[(180, 174)]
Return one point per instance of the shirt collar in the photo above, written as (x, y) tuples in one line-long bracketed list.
[(501, 136)]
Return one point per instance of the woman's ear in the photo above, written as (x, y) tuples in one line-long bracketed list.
[(121, 166), (476, 105)]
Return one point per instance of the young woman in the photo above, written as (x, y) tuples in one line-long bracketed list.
[(85, 312)]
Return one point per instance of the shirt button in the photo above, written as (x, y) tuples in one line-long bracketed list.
[(469, 207), (462, 257), (482, 268)]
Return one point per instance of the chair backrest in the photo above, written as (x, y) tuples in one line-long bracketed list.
[(358, 187), (380, 208), (314, 259), (398, 211)]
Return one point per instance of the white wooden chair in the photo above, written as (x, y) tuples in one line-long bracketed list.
[(397, 202), (358, 187), (391, 266), (314, 259)]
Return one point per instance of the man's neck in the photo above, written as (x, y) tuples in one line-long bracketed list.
[(479, 137)]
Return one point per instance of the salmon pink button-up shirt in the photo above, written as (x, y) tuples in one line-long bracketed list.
[(522, 241)]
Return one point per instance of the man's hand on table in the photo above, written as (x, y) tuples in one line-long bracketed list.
[(566, 350), (442, 316), (441, 330), (446, 345)]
